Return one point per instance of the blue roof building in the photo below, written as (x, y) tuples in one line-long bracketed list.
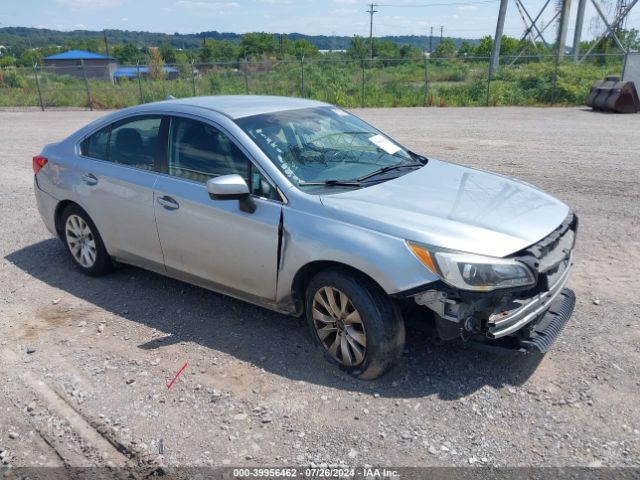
[(79, 63), (78, 55)]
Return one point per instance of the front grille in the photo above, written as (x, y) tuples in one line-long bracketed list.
[(551, 256), (561, 237)]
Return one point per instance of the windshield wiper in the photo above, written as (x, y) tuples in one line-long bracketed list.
[(388, 168), (332, 183), (421, 158)]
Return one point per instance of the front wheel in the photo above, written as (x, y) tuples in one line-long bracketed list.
[(356, 325)]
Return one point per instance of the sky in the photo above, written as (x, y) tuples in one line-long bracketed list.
[(460, 18)]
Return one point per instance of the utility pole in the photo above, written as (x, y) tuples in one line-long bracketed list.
[(371, 11), (497, 41), (564, 26), (106, 43), (431, 41), (577, 36), (441, 33)]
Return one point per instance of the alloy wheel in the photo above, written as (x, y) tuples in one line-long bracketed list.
[(339, 326), (81, 241)]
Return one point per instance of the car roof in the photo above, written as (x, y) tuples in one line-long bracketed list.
[(238, 106)]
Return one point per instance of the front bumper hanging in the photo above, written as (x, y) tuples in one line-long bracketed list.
[(541, 334)]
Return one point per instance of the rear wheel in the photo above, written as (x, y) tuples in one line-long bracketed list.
[(355, 324), (83, 242)]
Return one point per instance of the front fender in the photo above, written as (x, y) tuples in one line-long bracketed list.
[(309, 237)]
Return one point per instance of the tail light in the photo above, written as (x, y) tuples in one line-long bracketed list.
[(38, 162)]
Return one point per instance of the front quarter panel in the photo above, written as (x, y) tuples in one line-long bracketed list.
[(311, 237)]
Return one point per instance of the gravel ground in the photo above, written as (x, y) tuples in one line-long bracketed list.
[(85, 361)]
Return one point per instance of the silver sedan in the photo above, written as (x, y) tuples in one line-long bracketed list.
[(301, 207)]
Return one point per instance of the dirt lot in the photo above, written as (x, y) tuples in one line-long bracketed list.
[(255, 392)]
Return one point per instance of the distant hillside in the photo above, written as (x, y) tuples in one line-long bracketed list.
[(21, 38)]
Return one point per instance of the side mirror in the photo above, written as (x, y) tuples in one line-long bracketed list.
[(231, 187)]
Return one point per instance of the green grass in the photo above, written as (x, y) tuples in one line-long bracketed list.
[(386, 84)]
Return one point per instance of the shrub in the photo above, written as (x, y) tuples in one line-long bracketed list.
[(13, 79)]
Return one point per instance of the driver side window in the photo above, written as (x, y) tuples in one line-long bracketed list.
[(199, 151)]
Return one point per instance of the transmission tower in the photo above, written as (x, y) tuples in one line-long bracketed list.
[(621, 6), (613, 29)]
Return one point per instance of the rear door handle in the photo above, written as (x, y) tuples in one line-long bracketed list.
[(168, 203), (89, 179)]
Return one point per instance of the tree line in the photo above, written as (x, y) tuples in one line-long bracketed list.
[(265, 46)]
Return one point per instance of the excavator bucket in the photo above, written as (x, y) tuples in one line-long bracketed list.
[(612, 95)]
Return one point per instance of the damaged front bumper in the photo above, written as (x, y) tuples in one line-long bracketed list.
[(525, 311), (533, 326), (529, 319)]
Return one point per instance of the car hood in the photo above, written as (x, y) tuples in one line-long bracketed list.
[(454, 207)]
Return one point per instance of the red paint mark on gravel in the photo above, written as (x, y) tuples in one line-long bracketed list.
[(177, 375)]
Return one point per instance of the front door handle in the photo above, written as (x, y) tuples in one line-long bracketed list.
[(89, 179), (168, 203)]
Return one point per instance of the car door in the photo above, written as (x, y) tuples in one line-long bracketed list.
[(118, 170), (212, 242)]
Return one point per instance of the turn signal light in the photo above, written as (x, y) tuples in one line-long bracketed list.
[(424, 256)]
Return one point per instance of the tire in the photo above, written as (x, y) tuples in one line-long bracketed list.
[(84, 243), (364, 335)]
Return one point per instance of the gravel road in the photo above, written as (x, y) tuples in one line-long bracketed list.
[(85, 361)]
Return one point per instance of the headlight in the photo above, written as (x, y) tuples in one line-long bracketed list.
[(474, 272)]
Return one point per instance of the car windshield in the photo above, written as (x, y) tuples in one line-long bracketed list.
[(326, 146)]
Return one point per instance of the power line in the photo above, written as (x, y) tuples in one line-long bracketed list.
[(427, 5)]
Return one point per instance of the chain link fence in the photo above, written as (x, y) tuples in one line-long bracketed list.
[(348, 82)]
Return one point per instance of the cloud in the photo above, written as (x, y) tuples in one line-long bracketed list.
[(124, 19), (220, 6), (90, 3), (63, 27), (466, 8)]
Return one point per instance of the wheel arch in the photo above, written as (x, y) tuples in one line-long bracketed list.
[(305, 273), (60, 208), (58, 215)]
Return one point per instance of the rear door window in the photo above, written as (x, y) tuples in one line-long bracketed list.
[(136, 142)]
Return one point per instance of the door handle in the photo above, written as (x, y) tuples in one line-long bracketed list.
[(89, 179), (168, 203)]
